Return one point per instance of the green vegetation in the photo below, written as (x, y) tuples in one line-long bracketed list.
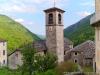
[(88, 69), (6, 71), (81, 31), (36, 63), (66, 67), (55, 70), (15, 34)]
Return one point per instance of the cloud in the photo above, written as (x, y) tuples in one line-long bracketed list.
[(83, 14), (20, 20), (88, 3), (23, 21), (28, 6), (16, 7)]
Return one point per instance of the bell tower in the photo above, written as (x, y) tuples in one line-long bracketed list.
[(54, 32)]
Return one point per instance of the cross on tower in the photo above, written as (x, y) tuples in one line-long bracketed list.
[(54, 3)]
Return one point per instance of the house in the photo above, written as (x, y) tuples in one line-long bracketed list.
[(3, 53), (15, 58), (84, 53)]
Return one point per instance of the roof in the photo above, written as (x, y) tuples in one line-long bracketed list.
[(54, 9), (88, 49), (13, 52), (67, 42), (2, 40), (40, 45)]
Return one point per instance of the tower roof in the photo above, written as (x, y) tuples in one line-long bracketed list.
[(54, 9)]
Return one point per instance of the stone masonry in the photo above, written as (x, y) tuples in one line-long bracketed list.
[(54, 32)]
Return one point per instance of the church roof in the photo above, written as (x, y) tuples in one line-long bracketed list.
[(87, 48), (54, 9), (40, 45)]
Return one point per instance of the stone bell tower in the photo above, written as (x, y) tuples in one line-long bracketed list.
[(95, 22), (54, 32)]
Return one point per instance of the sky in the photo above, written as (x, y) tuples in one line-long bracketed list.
[(30, 12)]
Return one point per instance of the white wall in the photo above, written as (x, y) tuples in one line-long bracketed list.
[(3, 58)]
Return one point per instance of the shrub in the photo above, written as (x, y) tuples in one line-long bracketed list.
[(88, 69), (66, 67), (49, 72)]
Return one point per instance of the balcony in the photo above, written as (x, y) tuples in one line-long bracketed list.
[(95, 18)]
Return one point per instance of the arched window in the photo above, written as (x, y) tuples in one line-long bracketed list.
[(50, 21), (59, 18)]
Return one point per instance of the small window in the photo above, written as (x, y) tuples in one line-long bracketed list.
[(75, 61), (76, 53), (3, 52), (16, 55), (3, 43), (3, 61), (50, 28), (59, 18), (50, 21)]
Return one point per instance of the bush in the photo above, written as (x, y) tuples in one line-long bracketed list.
[(66, 67), (88, 69), (49, 72)]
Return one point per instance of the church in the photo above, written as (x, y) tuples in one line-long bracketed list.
[(56, 43)]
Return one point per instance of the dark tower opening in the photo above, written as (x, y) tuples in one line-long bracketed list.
[(59, 18), (50, 19)]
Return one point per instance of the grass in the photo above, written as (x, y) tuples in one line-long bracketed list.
[(5, 71)]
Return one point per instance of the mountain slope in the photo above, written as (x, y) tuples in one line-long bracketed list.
[(15, 34), (80, 31)]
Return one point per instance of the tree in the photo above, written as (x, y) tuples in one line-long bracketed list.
[(28, 59), (34, 62), (46, 62)]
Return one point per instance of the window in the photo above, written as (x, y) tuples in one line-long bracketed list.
[(75, 61), (3, 61), (3, 52), (50, 19), (3, 43), (50, 28), (59, 18), (75, 53), (16, 55)]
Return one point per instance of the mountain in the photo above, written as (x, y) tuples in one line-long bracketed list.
[(15, 33), (42, 37), (80, 31)]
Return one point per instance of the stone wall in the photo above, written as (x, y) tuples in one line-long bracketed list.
[(15, 60), (55, 41)]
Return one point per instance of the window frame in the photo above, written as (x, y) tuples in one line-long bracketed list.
[(50, 18)]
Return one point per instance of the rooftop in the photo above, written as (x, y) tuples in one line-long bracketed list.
[(88, 49), (54, 9)]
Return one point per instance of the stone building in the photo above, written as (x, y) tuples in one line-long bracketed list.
[(15, 58), (54, 32), (95, 22), (84, 53), (3, 53)]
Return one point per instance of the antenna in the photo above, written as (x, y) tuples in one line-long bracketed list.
[(54, 3)]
